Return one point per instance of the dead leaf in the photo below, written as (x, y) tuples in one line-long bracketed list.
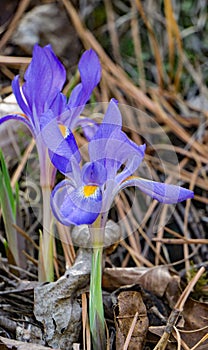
[(10, 344), (195, 317), (57, 307), (154, 279), (130, 303)]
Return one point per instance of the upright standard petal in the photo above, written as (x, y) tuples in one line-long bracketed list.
[(94, 173), (113, 148), (162, 192), (44, 78), (90, 73)]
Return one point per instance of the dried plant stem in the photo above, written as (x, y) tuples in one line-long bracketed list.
[(161, 345), (21, 9), (130, 332)]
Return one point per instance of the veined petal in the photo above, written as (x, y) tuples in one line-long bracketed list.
[(58, 196), (90, 69), (90, 73), (59, 107), (20, 118), (62, 148), (18, 94), (132, 155), (82, 205), (114, 149), (162, 192), (113, 114), (89, 127), (44, 78), (94, 173), (57, 68), (105, 143)]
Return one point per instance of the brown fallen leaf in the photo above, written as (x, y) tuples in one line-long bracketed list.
[(154, 279), (195, 317), (57, 306), (129, 304)]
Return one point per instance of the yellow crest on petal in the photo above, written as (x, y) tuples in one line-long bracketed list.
[(64, 130), (89, 190)]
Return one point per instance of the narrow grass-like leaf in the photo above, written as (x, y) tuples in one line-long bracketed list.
[(8, 203), (8, 207), (7, 183)]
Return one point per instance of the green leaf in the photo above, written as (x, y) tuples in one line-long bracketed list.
[(8, 208), (7, 183)]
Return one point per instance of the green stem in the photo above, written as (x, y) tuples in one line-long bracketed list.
[(46, 270), (47, 175), (96, 312)]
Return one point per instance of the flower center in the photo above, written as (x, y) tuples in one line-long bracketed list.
[(89, 190), (64, 130)]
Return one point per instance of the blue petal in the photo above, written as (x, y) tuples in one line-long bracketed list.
[(17, 92), (58, 195), (44, 78), (104, 145), (61, 149), (90, 72), (59, 106), (71, 206), (164, 193), (94, 173), (89, 127), (113, 148), (18, 118), (113, 114)]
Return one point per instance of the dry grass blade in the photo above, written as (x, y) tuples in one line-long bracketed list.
[(112, 31), (131, 329), (85, 324), (200, 342), (154, 43), (14, 61), (21, 9), (137, 46), (68, 248), (173, 33), (161, 345), (21, 165), (26, 236)]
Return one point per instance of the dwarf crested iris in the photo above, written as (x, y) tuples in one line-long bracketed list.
[(40, 98), (41, 95), (90, 190), (85, 197)]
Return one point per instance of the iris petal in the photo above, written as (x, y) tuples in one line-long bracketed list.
[(58, 196), (44, 78), (162, 192), (82, 205), (18, 94), (113, 148), (94, 173), (90, 73), (61, 150), (19, 118)]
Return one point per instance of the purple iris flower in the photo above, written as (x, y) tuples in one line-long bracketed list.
[(41, 96), (90, 190)]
